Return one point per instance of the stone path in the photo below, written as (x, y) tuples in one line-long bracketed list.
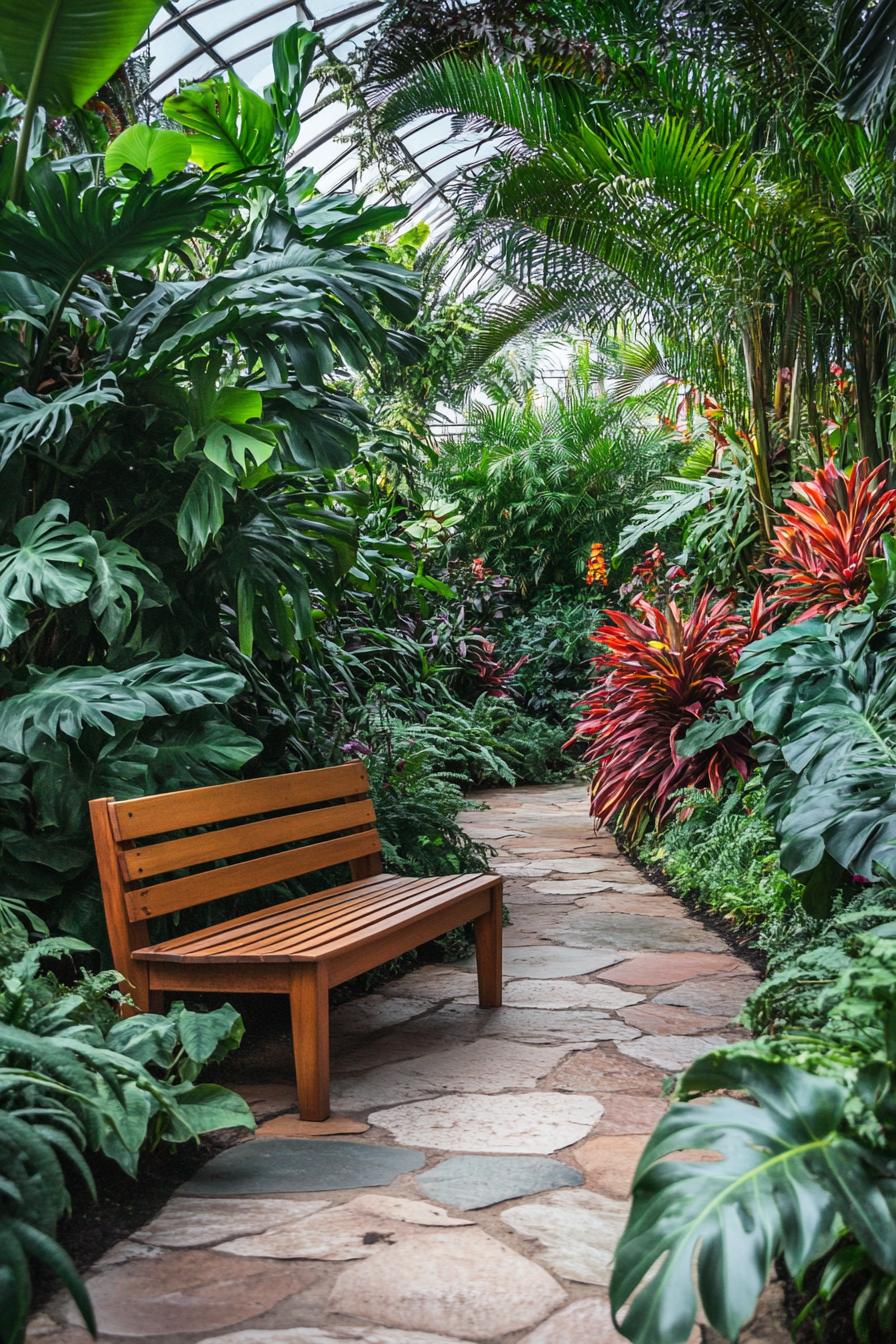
[(472, 1183)]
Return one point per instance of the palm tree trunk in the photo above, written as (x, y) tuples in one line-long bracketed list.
[(755, 361)]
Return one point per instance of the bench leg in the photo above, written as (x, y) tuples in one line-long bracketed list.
[(309, 1006), (489, 968)]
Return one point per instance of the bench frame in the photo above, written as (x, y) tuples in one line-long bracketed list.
[(131, 844)]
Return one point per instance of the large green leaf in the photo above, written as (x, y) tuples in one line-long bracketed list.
[(72, 227), (783, 1179), (195, 751), (209, 1036), (61, 51), (31, 421), (68, 701), (824, 694), (666, 508), (119, 586), (52, 564), (232, 127), (203, 1108), (292, 56), (149, 149)]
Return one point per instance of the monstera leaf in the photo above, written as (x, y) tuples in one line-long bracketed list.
[(70, 700), (51, 565), (30, 421), (232, 127), (194, 751), (119, 586), (824, 694), (73, 227), (226, 437), (784, 1178)]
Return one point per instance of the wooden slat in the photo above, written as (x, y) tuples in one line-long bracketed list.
[(182, 892), (352, 921), (295, 936), (325, 930), (267, 912), (468, 904), (207, 846), (180, 811), (357, 957), (246, 929)]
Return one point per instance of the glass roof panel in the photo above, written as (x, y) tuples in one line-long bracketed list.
[(193, 39)]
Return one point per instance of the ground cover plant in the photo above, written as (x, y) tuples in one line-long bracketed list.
[(75, 1080)]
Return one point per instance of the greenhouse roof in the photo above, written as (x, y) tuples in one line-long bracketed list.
[(195, 39)]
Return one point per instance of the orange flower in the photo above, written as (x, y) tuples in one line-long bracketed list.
[(597, 565)]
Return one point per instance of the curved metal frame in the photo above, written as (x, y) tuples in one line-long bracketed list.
[(208, 25)]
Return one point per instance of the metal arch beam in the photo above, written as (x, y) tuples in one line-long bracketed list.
[(203, 6), (319, 23), (269, 12)]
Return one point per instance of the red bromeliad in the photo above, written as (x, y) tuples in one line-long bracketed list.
[(656, 676), (830, 531)]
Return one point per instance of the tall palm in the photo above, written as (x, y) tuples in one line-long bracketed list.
[(685, 168)]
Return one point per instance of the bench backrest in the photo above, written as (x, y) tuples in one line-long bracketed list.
[(290, 825)]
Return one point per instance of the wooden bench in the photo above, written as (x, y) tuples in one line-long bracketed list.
[(290, 825)]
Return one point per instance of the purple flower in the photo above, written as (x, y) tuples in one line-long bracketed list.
[(355, 748)]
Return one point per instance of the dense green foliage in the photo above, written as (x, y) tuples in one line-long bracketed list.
[(537, 484), (74, 1081), (722, 851)]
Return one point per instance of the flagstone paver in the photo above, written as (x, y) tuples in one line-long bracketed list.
[(460, 1282), (576, 1230), (671, 1053), (511, 1122), (283, 1166), (201, 1222), (473, 1180)]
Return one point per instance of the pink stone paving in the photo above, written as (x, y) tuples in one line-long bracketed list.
[(537, 1112)]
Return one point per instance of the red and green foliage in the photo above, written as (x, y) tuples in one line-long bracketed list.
[(828, 534), (658, 673)]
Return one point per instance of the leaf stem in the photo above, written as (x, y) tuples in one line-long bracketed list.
[(32, 102)]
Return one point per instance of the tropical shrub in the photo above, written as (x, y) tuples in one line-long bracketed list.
[(816, 1149), (706, 514), (819, 694), (658, 674), (789, 1173), (550, 644), (721, 851), (73, 1080), (539, 484), (827, 535), (177, 361)]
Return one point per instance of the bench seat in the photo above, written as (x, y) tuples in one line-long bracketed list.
[(147, 847)]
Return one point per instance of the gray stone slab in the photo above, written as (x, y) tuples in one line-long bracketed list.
[(477, 1182), (286, 1166)]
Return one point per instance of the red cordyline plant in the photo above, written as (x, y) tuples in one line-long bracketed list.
[(658, 673), (828, 534)]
